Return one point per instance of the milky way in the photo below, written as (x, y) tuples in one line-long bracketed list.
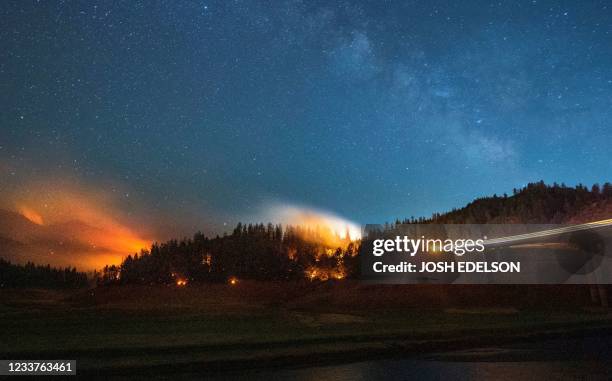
[(192, 115)]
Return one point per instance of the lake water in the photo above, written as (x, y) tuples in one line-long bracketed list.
[(582, 359)]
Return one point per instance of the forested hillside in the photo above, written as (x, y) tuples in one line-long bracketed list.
[(536, 203), (274, 252)]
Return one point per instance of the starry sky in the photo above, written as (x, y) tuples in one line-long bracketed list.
[(196, 114)]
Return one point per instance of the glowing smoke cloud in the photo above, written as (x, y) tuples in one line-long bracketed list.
[(30, 214), (77, 226), (312, 218)]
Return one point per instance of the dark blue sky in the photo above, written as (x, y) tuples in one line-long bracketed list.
[(195, 114)]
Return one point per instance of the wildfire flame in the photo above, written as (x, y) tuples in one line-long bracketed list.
[(323, 274)]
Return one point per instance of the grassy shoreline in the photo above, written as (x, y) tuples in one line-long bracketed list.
[(319, 352), (159, 330)]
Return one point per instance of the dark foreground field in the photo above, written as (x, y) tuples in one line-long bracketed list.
[(211, 329)]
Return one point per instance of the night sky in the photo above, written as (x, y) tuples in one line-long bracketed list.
[(194, 115)]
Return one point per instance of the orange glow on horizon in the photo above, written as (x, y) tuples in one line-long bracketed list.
[(82, 227)]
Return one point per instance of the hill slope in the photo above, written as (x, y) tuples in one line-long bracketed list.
[(536, 203)]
